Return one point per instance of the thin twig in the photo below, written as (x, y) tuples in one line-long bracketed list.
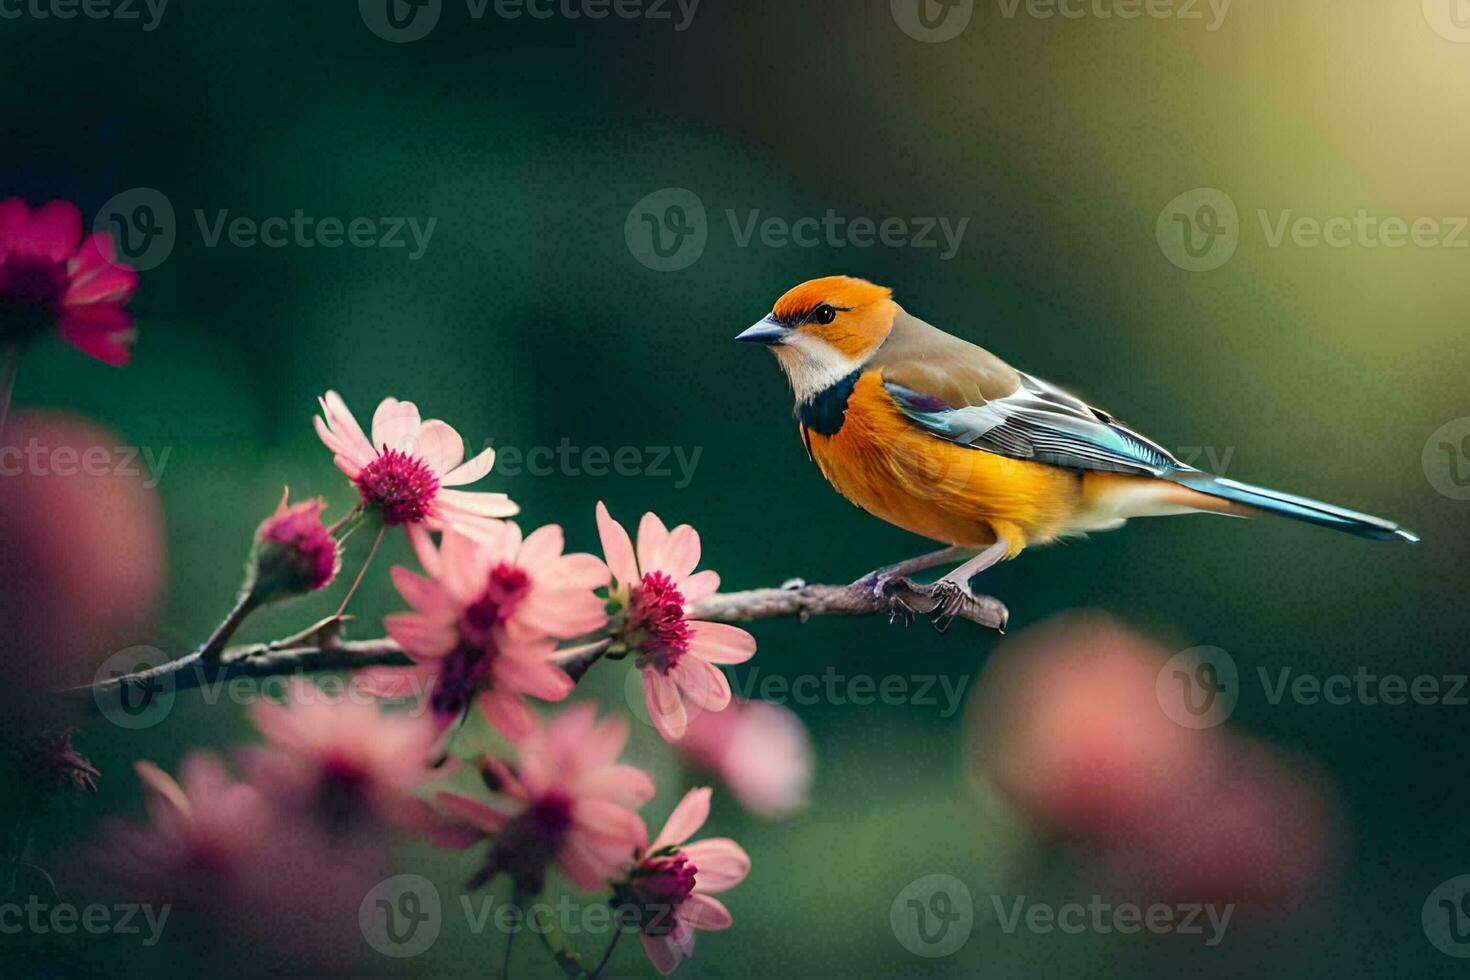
[(319, 650), (9, 365)]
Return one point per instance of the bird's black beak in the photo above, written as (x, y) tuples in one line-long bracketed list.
[(767, 332)]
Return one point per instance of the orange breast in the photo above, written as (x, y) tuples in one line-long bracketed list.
[(887, 465)]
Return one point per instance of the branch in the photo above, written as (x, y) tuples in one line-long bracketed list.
[(320, 648)]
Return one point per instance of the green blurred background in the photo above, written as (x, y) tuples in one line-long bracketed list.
[(529, 320)]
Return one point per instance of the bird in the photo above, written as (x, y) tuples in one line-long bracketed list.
[(944, 439)]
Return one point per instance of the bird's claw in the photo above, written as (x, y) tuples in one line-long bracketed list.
[(949, 601)]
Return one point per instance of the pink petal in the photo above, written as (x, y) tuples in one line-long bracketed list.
[(508, 715), (55, 229), (487, 818), (440, 446), (581, 571), (541, 679), (719, 863), (102, 332), (421, 637), (662, 952), (94, 277), (341, 421), (685, 821), (700, 585), (563, 613), (396, 426), (703, 684), (704, 912), (471, 471), (463, 566), (652, 535), (626, 786), (617, 547), (681, 552), (425, 595), (720, 643), (665, 707), (463, 505)]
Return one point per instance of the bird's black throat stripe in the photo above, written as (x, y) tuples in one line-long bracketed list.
[(825, 411)]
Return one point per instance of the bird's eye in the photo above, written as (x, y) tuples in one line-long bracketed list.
[(824, 314)]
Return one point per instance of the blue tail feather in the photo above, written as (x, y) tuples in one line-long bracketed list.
[(1297, 508)]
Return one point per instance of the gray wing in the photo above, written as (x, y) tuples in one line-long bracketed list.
[(1040, 422)]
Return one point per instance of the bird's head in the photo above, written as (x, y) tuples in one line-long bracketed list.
[(825, 329)]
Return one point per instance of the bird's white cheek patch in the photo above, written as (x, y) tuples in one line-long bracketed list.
[(812, 364)]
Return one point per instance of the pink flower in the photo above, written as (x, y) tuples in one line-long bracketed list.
[(760, 749), (404, 473), (576, 806), (345, 760), (484, 626), (658, 589), (668, 891), (294, 551), (205, 828), (51, 276)]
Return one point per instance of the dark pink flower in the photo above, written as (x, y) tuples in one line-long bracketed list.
[(484, 626), (347, 762), (576, 805), (51, 277), (657, 589), (668, 892)]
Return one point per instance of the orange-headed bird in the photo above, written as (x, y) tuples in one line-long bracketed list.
[(944, 439)]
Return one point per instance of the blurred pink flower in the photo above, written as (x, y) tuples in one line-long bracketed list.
[(204, 830), (669, 887), (761, 750), (658, 589), (51, 276), (346, 761), (404, 473), (295, 548), (577, 806), (240, 870), (1073, 726), (484, 626)]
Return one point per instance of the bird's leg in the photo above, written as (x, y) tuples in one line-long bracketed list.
[(953, 590), (879, 580)]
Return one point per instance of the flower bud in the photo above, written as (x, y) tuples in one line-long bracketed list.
[(294, 553), (50, 762)]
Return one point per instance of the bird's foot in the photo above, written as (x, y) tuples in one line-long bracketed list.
[(950, 599), (891, 588)]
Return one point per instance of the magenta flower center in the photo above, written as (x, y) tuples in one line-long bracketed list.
[(31, 284), (506, 586), (655, 890), (656, 624), (399, 486), (465, 673), (529, 843)]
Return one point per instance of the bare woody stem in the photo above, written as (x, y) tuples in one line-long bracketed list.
[(319, 649)]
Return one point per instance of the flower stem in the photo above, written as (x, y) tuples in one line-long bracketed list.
[(215, 645), (372, 553), (606, 954), (9, 365)]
